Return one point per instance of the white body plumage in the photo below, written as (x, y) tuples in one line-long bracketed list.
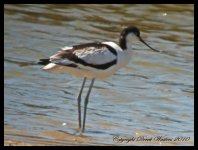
[(91, 55), (94, 61)]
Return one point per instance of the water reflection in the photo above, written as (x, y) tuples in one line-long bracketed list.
[(152, 96)]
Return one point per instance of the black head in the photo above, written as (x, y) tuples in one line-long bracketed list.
[(136, 32), (131, 29)]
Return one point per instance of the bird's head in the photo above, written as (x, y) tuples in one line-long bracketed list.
[(128, 34)]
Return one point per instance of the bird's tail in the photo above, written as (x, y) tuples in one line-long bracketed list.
[(44, 61)]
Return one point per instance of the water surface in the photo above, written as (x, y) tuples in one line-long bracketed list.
[(152, 96)]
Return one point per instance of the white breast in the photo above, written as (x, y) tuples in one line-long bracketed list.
[(91, 55), (123, 57)]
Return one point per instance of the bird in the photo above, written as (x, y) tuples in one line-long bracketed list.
[(95, 60)]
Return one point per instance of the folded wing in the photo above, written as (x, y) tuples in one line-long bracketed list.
[(94, 55)]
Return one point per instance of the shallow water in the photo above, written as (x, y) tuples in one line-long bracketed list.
[(152, 97)]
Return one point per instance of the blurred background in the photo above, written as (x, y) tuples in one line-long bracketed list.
[(152, 96)]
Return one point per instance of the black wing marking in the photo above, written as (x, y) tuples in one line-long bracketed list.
[(85, 55), (96, 45)]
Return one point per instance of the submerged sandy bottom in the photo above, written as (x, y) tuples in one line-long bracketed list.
[(15, 143)]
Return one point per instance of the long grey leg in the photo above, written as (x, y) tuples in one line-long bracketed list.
[(79, 100), (86, 102)]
